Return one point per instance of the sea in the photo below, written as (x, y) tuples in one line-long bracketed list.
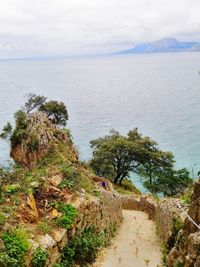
[(157, 93)]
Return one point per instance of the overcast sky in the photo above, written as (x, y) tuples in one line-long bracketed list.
[(69, 27)]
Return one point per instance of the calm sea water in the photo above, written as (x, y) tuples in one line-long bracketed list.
[(158, 93)]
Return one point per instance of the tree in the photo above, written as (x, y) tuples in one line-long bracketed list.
[(56, 112), (116, 155), (156, 163), (6, 132), (34, 102), (173, 182)]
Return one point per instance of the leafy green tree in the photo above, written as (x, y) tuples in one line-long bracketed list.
[(6, 132), (156, 163), (34, 102), (116, 155), (56, 112), (173, 182)]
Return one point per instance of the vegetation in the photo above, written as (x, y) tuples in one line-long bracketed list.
[(33, 102), (116, 156), (127, 187), (170, 182), (56, 112), (39, 258), (83, 248), (176, 226), (6, 132), (69, 213), (16, 246)]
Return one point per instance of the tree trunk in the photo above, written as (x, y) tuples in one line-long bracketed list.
[(150, 178), (117, 178), (122, 177)]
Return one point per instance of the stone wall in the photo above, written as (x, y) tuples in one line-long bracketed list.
[(186, 250), (142, 204), (102, 212), (167, 211)]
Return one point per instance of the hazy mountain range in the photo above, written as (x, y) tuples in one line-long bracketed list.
[(163, 46)]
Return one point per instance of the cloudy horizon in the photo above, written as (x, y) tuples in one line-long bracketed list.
[(82, 27)]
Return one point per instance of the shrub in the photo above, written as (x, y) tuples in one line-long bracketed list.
[(176, 226), (12, 188), (17, 136), (187, 197), (39, 258), (83, 248), (66, 183), (69, 213), (16, 246), (33, 143), (45, 227)]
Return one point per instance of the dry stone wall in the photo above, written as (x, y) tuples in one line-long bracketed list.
[(142, 204), (167, 212), (186, 251), (104, 213)]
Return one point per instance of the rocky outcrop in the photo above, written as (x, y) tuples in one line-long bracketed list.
[(38, 136)]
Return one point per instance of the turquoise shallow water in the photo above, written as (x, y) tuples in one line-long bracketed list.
[(158, 93)]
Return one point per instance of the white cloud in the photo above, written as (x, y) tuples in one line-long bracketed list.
[(48, 27)]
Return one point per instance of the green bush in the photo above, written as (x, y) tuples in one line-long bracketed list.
[(17, 136), (12, 188), (66, 184), (33, 143), (69, 213), (20, 131), (39, 258), (176, 226), (16, 246), (187, 197), (21, 119), (83, 248)]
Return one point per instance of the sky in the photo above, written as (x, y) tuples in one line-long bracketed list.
[(35, 28)]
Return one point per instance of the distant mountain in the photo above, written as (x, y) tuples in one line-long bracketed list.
[(163, 46)]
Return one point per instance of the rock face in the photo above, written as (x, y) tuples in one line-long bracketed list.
[(186, 250), (37, 139)]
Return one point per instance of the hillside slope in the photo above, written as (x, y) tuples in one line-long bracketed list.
[(51, 202)]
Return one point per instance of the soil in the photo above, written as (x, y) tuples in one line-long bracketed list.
[(135, 245)]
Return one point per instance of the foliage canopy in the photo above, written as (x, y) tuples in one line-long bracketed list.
[(116, 156)]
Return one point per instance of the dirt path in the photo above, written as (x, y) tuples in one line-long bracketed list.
[(136, 244)]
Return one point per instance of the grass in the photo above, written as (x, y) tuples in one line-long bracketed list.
[(127, 188)]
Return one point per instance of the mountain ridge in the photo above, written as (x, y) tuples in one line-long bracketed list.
[(164, 45)]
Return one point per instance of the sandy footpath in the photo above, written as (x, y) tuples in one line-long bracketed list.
[(136, 244)]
